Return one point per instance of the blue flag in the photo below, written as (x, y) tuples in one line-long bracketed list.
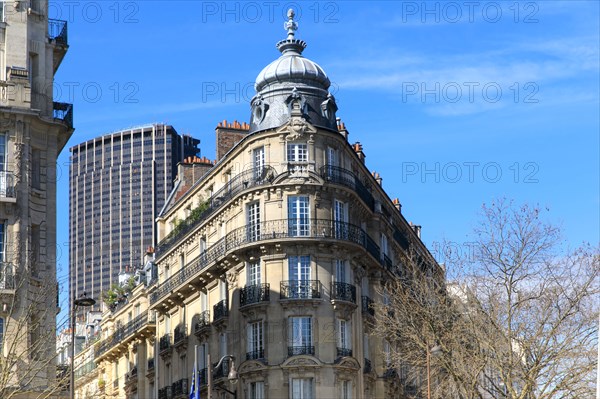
[(194, 388)]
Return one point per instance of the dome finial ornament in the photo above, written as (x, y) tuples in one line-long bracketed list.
[(290, 25)]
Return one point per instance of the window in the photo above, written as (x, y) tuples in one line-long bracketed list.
[(4, 178), (302, 388), (341, 274), (297, 156), (344, 337), (253, 222), (300, 336), (387, 353), (332, 157), (253, 273), (340, 218), (254, 340), (366, 346), (297, 152), (202, 244), (2, 243), (298, 216), (384, 245), (258, 156), (256, 390), (346, 389), (299, 268)]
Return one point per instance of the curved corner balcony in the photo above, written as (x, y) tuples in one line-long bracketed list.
[(250, 178), (276, 231), (344, 177)]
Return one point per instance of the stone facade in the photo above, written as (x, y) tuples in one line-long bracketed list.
[(274, 257), (33, 131)]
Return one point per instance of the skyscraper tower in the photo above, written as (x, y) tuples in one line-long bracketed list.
[(34, 130), (118, 184)]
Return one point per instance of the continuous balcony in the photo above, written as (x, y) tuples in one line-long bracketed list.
[(248, 179), (274, 231), (343, 177), (254, 295), (142, 325), (7, 186)]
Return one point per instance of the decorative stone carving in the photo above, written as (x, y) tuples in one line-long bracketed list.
[(232, 278)]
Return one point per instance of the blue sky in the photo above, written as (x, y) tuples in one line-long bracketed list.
[(455, 103)]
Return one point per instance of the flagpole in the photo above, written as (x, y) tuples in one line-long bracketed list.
[(196, 374)]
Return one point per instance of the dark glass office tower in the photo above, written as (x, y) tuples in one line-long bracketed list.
[(118, 183)]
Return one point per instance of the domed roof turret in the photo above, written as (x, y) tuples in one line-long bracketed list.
[(292, 77)]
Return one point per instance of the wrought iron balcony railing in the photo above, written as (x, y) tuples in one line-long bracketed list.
[(337, 175), (367, 306), (7, 184), (301, 350), (123, 333), (250, 178), (220, 310), (256, 293), (275, 230), (164, 343), (255, 354), (201, 321), (180, 387), (300, 289), (180, 334), (63, 112), (343, 292), (341, 352), (57, 31), (85, 369)]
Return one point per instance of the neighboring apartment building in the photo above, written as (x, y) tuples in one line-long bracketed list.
[(118, 183), (275, 256), (33, 131)]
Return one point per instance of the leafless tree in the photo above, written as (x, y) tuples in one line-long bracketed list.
[(28, 341), (516, 318)]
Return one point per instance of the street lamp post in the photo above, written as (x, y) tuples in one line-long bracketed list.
[(84, 301), (436, 350), (232, 376)]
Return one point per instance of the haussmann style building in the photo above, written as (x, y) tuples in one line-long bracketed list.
[(274, 257), (33, 130)]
